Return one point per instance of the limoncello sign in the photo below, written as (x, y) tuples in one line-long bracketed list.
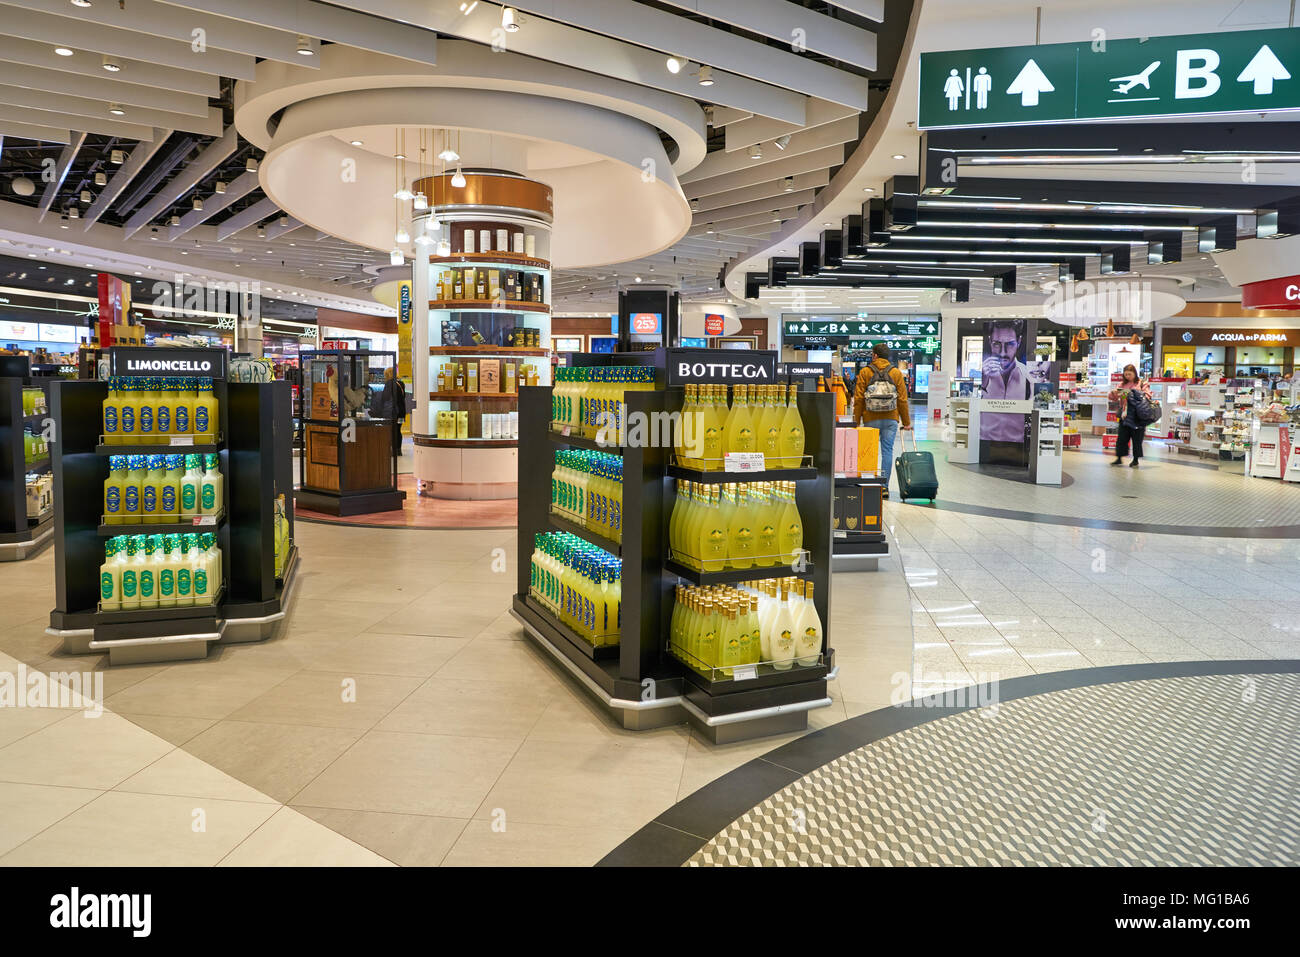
[(1248, 71)]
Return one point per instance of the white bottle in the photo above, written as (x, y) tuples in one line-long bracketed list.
[(766, 606), (149, 559), (166, 572), (184, 570), (808, 630), (191, 489), (783, 632), (211, 492), (131, 571)]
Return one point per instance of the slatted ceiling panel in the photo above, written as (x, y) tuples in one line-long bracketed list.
[(758, 129), (80, 109), (766, 189), (822, 159), (165, 21), (48, 120), (89, 63), (90, 85), (810, 141), (79, 34), (43, 134), (121, 178)]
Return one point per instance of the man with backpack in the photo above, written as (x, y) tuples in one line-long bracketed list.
[(880, 402)]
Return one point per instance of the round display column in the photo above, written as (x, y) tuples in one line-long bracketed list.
[(483, 316)]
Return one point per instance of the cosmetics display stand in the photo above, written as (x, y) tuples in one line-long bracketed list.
[(252, 446), (22, 534), (639, 680)]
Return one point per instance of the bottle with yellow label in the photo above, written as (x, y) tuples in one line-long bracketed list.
[(147, 414), (115, 491), (792, 437), (169, 492), (113, 412), (148, 570), (128, 410), (151, 490), (205, 413), (769, 429), (132, 492), (164, 416)]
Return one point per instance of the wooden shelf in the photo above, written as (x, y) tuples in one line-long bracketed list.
[(506, 351), (489, 305), (508, 259), (474, 395)]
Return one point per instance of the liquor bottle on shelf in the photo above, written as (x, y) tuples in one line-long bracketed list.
[(734, 525), (579, 585)]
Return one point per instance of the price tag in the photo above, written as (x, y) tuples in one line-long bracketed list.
[(565, 431), (743, 462), (744, 672), (182, 440), (205, 520)]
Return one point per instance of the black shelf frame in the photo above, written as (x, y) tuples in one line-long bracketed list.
[(644, 665), (15, 528), (600, 541), (255, 460), (160, 448), (162, 528)]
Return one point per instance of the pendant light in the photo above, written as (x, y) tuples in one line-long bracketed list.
[(458, 179), (395, 257)]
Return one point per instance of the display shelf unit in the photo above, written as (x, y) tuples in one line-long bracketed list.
[(719, 478), (646, 685), (491, 305), (254, 459), (560, 523), (859, 548), (159, 448), (347, 459), (730, 576), (489, 259), (163, 528), (21, 535)]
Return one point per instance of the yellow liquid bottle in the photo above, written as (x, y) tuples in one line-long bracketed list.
[(769, 430), (131, 572), (740, 423), (112, 408), (713, 535), (712, 425), (164, 416), (182, 401), (110, 577), (707, 642), (766, 522), (683, 436), (790, 531), (675, 520), (147, 416), (691, 522), (151, 490), (792, 437), (212, 496), (205, 414), (740, 531), (129, 410), (169, 492), (729, 640), (727, 503), (115, 492)]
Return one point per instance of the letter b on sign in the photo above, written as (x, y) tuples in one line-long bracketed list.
[(1196, 67)]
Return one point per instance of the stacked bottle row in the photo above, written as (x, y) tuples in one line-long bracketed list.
[(156, 489), (151, 409), (34, 446), (761, 418), (587, 489), (510, 285), (721, 628), (735, 525), (34, 402), (588, 399), (159, 571), (579, 584)]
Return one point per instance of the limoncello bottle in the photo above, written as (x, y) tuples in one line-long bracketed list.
[(729, 640), (148, 572), (182, 402), (683, 435), (707, 643), (766, 522), (792, 437), (165, 411), (212, 491), (205, 413), (713, 535), (115, 492), (184, 569), (191, 484), (147, 410), (132, 492), (713, 429), (769, 430), (110, 577), (113, 412), (790, 531), (129, 410), (166, 571), (151, 490), (131, 572), (740, 423), (169, 490), (782, 633)]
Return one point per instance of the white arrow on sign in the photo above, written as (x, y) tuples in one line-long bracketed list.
[(929, 328), (1029, 83), (1263, 70)]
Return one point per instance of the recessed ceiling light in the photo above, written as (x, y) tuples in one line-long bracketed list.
[(400, 156), (756, 151), (111, 65), (81, 3), (63, 51), (116, 110), (304, 47), (356, 142), (706, 76), (899, 156)]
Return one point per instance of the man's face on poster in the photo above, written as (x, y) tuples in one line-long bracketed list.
[(1004, 344)]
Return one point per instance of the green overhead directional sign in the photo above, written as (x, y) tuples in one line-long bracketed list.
[(849, 326), (1246, 71)]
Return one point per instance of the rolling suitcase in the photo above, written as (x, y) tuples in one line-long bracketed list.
[(916, 478)]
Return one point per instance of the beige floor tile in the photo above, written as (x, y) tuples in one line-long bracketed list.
[(276, 759), (474, 707), (291, 839), (182, 774), (1102, 659), (17, 723), (177, 730), (504, 661), (577, 717), (580, 784), (81, 752), (868, 679), (1043, 660), (28, 809), (204, 689), (119, 829), (432, 774), (324, 699), (454, 614), (409, 840), (523, 844), (379, 654)]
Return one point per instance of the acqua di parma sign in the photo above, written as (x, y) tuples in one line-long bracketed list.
[(1245, 71)]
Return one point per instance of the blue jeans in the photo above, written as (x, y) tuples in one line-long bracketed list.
[(888, 432)]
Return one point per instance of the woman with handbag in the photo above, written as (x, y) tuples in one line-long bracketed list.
[(1134, 397)]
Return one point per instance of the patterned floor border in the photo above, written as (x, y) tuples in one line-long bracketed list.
[(672, 838)]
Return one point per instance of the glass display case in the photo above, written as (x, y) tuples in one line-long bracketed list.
[(347, 437)]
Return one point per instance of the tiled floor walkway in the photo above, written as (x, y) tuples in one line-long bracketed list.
[(401, 715)]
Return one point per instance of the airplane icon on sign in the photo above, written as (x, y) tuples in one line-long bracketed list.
[(1142, 79)]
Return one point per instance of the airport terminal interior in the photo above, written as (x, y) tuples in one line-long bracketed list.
[(914, 380)]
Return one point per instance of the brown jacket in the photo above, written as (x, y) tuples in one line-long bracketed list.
[(860, 414)]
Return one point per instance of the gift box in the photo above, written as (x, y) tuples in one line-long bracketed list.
[(868, 451)]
